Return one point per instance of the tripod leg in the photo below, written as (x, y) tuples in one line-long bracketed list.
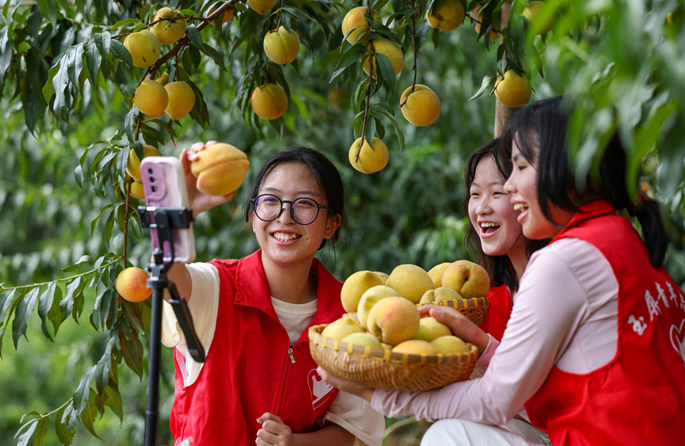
[(152, 413)]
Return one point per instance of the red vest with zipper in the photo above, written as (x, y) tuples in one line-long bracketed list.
[(251, 367), (638, 398), (499, 311)]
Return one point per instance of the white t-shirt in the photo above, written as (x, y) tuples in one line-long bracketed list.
[(352, 413)]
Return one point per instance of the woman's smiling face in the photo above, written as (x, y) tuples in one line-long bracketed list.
[(283, 240), (491, 212), (522, 187)]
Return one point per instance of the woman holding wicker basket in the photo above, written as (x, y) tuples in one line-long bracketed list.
[(594, 345), (259, 384)]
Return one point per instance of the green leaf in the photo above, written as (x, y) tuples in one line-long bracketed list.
[(195, 36), (21, 318), (82, 393), (216, 56), (102, 211), (41, 432), (6, 300), (103, 42), (60, 82), (72, 289), (348, 58), (28, 429), (370, 131), (114, 400), (45, 303), (64, 432), (486, 84), (387, 71), (90, 413), (83, 259), (103, 367), (122, 23), (93, 60), (49, 10), (132, 315), (120, 53), (132, 352), (122, 161)]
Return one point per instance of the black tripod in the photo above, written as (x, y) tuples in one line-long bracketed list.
[(164, 220)]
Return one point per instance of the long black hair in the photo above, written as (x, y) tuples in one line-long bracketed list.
[(499, 268), (325, 173), (539, 130)]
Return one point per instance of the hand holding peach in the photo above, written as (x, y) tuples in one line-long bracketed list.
[(460, 325)]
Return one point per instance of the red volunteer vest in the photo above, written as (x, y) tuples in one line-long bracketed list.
[(499, 311), (251, 368), (639, 397)]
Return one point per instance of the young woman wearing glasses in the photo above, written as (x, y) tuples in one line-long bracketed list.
[(259, 383)]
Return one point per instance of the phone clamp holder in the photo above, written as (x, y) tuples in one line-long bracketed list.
[(164, 220)]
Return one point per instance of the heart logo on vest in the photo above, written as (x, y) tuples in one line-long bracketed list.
[(318, 388), (678, 339)]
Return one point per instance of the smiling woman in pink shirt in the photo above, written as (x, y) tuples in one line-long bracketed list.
[(594, 347)]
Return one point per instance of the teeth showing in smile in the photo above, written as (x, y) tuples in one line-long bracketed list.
[(285, 237), (489, 225), (520, 206)]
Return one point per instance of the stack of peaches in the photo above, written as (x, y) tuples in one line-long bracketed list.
[(384, 308)]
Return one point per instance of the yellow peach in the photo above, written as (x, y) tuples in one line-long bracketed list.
[(393, 320), (144, 48), (449, 345), (131, 284), (370, 298), (448, 16), (415, 347), (356, 20), (220, 169), (269, 101), (389, 49), (281, 46), (181, 99), (355, 286), (370, 160), (342, 328), (422, 107), (467, 278), (430, 329), (514, 90), (151, 98), (410, 281), (168, 31)]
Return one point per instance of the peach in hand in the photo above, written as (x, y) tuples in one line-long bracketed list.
[(430, 329), (220, 168)]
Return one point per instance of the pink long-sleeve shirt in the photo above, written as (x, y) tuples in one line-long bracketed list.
[(565, 314)]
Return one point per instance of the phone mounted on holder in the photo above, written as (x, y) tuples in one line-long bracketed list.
[(165, 220)]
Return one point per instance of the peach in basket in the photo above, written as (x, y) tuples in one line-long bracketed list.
[(382, 368)]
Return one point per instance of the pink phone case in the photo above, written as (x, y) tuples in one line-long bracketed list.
[(165, 186)]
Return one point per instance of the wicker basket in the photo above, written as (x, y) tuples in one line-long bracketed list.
[(383, 369), (474, 309)]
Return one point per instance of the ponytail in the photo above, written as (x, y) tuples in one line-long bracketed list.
[(612, 170), (656, 239)]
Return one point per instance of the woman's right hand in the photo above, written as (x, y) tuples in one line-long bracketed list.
[(461, 326), (198, 201)]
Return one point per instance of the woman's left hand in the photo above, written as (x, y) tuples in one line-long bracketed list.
[(355, 389), (273, 432)]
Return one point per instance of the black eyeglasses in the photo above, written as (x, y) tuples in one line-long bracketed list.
[(304, 211)]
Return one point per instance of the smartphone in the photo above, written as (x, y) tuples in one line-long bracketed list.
[(165, 187)]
